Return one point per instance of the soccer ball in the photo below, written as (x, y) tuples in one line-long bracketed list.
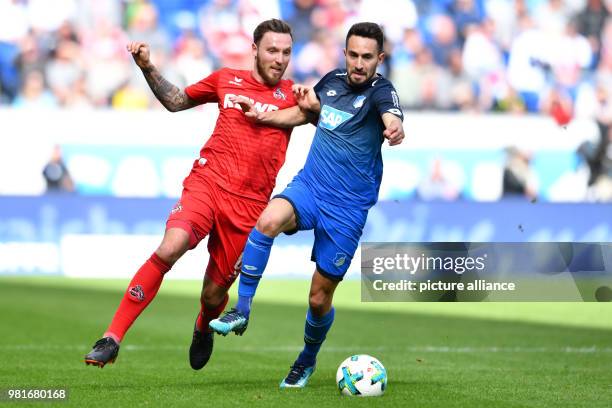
[(362, 375)]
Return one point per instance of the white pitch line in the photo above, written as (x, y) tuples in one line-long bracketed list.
[(253, 349)]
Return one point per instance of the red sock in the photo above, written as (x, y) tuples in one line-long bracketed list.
[(206, 315), (140, 293)]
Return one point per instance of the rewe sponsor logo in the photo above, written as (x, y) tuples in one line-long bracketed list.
[(261, 107), (332, 118)]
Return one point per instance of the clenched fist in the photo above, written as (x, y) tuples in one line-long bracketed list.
[(141, 53)]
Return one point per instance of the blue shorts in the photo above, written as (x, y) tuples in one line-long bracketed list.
[(337, 229)]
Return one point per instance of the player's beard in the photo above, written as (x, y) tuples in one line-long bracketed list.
[(367, 77), (262, 71)]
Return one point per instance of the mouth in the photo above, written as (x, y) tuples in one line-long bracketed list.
[(276, 71), (358, 75)]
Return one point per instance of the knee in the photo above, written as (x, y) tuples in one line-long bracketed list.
[(319, 303), (211, 299), (171, 251), (269, 224)]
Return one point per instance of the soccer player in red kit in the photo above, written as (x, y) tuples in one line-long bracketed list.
[(226, 190)]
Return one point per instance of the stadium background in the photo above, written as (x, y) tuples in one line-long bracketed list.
[(507, 120)]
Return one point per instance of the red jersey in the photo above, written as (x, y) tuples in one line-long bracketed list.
[(242, 157)]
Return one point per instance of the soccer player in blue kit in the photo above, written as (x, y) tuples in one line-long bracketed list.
[(357, 109)]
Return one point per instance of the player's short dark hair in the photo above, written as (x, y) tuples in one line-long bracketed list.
[(367, 30), (274, 25)]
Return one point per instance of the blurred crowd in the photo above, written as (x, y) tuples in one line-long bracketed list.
[(551, 57)]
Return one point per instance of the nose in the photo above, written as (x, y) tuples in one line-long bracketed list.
[(359, 64)]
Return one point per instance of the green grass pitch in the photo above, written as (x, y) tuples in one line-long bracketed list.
[(437, 355)]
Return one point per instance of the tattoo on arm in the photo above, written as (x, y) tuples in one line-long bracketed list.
[(169, 95)]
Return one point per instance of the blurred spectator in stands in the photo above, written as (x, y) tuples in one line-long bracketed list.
[(395, 17), (192, 61), (444, 182), (330, 15), (551, 16), (506, 15), (33, 94), (301, 22), (443, 38), (466, 13), (569, 54), (47, 16), (56, 174), (30, 57), (317, 57), (603, 74), (598, 154), (527, 66), (455, 90), (417, 83), (107, 60), (64, 69), (77, 97), (218, 19), (406, 50), (519, 179), (143, 26), (590, 22), (130, 97), (558, 104)]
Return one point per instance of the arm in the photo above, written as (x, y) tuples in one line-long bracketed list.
[(394, 130), (168, 94), (284, 118)]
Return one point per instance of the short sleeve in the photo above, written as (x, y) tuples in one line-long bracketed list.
[(204, 90), (386, 100)]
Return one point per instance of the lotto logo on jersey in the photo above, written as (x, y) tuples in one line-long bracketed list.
[(261, 107), (331, 118)]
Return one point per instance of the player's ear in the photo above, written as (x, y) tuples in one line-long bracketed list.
[(344, 50), (381, 57), (254, 49)]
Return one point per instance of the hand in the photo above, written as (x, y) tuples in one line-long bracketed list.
[(301, 96), (141, 53), (252, 114), (394, 133)]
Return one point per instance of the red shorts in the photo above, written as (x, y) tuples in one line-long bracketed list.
[(206, 209)]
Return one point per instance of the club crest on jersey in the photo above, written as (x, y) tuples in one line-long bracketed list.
[(278, 94), (331, 118), (358, 102), (340, 259), (137, 293)]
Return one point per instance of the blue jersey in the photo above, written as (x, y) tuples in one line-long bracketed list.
[(344, 165)]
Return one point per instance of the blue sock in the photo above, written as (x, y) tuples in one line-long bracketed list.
[(254, 261), (315, 330)]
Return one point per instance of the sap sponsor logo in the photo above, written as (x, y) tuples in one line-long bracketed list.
[(331, 92), (358, 102), (331, 118), (261, 107), (394, 111), (340, 259), (237, 81)]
